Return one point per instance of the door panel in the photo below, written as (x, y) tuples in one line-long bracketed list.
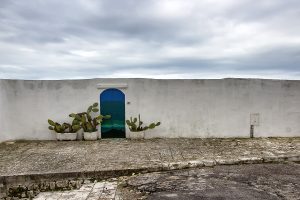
[(112, 102)]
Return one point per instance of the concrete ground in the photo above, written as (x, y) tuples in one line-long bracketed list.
[(29, 163), (234, 182), (36, 157)]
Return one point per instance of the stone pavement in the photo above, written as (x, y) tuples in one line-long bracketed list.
[(29, 162), (226, 182), (105, 190)]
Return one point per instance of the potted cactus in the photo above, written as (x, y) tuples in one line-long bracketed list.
[(89, 123), (77, 121), (136, 128), (64, 131)]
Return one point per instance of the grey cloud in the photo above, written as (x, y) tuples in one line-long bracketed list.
[(283, 58), (39, 36), (51, 22)]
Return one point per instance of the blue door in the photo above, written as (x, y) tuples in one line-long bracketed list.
[(112, 102)]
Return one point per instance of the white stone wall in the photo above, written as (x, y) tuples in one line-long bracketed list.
[(186, 108)]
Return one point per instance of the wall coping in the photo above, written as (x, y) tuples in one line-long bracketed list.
[(112, 85)]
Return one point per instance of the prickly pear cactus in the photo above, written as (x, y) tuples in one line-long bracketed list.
[(135, 125), (88, 120), (57, 127), (83, 120)]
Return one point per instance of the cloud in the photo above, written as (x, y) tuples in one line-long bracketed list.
[(43, 39)]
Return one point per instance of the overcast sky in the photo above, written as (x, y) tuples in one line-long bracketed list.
[(64, 39)]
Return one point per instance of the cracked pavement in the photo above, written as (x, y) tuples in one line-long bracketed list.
[(43, 166), (39, 157), (235, 182)]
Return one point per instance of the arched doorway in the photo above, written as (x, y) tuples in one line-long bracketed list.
[(112, 102)]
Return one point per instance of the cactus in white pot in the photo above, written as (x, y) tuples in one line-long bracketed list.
[(136, 128), (64, 131), (89, 121)]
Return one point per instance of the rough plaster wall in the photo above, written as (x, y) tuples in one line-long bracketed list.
[(2, 111), (31, 103), (186, 108)]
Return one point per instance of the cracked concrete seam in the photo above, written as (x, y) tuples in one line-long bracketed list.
[(214, 162)]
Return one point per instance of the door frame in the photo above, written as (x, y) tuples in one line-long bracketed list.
[(120, 86)]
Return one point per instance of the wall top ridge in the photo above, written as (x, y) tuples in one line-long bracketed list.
[(112, 85)]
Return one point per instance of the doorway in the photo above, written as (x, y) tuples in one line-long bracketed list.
[(112, 102)]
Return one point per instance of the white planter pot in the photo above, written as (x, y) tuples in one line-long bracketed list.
[(90, 136), (80, 134), (137, 135), (66, 136)]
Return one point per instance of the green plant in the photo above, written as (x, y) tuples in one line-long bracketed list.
[(135, 125), (64, 127), (74, 127), (86, 119), (57, 127)]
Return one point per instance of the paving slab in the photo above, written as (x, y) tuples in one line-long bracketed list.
[(93, 191), (32, 161)]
